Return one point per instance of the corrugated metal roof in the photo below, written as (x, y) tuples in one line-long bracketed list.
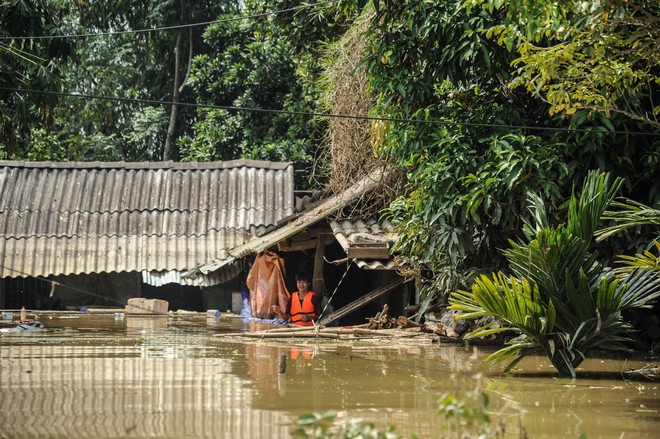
[(160, 278), (303, 221), (363, 232), (375, 264), (73, 218)]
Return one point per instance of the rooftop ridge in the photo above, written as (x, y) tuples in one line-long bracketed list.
[(229, 164)]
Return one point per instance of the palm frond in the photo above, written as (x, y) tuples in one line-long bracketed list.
[(536, 207), (639, 288), (550, 259), (559, 298), (627, 214), (585, 212), (646, 259), (516, 302)]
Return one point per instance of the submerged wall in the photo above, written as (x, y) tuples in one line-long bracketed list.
[(220, 296)]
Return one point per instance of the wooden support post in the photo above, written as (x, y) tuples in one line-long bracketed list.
[(318, 282)]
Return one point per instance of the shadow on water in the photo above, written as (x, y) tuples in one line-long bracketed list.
[(629, 376), (96, 377)]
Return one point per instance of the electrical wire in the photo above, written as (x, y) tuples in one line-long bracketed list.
[(348, 266), (273, 111), (322, 115), (166, 28)]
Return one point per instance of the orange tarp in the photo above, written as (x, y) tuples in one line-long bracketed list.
[(266, 284)]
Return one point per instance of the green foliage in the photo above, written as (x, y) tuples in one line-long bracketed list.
[(146, 132), (110, 130), (645, 260), (465, 417), (261, 64), (138, 65), (47, 146), (264, 63), (320, 426), (559, 298), (628, 214), (598, 55), (431, 61), (252, 70), (28, 64), (308, 27), (470, 156)]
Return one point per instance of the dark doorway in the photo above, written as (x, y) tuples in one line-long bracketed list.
[(30, 292), (178, 296)]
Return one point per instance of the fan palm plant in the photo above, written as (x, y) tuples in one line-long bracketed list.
[(559, 298)]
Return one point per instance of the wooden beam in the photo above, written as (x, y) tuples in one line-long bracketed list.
[(318, 282), (362, 301), (361, 251), (293, 246)]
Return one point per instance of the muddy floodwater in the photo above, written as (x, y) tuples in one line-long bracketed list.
[(86, 376)]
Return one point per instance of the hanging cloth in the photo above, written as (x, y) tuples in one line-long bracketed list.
[(266, 284)]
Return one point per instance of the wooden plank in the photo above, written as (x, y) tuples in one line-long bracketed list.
[(362, 301)]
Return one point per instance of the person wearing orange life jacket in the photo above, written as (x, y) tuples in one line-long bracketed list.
[(305, 306)]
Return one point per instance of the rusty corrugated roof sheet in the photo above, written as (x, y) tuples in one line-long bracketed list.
[(73, 218)]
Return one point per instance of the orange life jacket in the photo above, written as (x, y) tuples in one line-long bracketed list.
[(307, 308), (306, 353)]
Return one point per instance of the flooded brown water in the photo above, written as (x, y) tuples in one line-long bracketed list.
[(97, 377)]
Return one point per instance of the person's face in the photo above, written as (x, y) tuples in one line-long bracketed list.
[(303, 285)]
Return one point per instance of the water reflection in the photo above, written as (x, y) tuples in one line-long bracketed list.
[(101, 378)]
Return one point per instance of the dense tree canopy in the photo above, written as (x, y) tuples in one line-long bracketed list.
[(498, 117), (27, 63), (595, 55), (267, 62), (123, 64), (248, 68)]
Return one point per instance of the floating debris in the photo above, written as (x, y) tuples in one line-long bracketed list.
[(381, 326), (24, 326), (651, 372)]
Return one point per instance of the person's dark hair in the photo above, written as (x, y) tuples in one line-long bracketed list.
[(303, 276)]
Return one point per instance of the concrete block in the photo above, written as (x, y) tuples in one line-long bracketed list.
[(139, 305), (236, 302)]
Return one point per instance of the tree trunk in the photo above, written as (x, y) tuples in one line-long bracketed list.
[(176, 96)]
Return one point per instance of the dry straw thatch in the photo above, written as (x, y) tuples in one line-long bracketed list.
[(349, 154)]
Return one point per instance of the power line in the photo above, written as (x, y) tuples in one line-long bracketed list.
[(175, 27), (320, 115)]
